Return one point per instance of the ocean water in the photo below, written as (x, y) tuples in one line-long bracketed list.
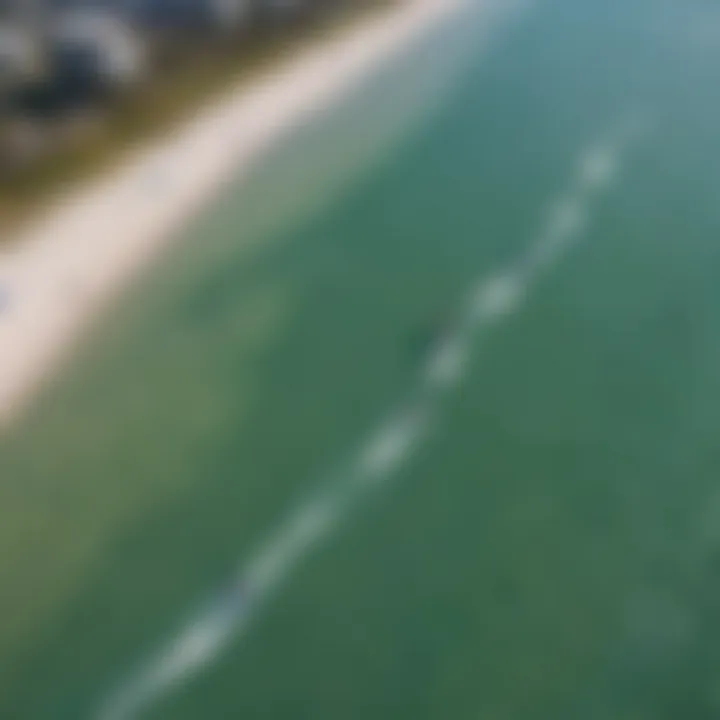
[(419, 422)]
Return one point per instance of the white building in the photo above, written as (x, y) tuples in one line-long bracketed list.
[(96, 44), (20, 54), (188, 15)]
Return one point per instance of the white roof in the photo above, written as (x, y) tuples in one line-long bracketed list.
[(17, 48), (78, 25)]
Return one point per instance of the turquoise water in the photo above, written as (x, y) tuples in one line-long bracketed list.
[(547, 548)]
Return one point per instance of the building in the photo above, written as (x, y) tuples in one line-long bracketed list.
[(187, 17), (92, 49), (21, 56)]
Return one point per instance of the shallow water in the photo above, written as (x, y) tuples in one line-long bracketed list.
[(523, 524)]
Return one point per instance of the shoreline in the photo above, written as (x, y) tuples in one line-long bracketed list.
[(102, 234)]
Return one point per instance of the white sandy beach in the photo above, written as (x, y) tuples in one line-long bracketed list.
[(62, 270)]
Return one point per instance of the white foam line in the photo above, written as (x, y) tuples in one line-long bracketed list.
[(378, 460), (208, 635), (392, 444), (498, 296), (597, 172), (599, 167), (448, 364)]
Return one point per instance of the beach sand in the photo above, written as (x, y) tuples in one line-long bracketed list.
[(60, 271)]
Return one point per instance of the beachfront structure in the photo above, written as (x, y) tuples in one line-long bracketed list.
[(187, 16), (279, 9), (93, 46), (20, 54), (60, 58), (227, 14)]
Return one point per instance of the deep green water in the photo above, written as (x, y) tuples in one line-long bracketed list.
[(550, 550)]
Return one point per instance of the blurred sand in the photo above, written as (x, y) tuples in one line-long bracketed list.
[(57, 274)]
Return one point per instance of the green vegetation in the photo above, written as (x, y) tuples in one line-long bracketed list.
[(195, 78)]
